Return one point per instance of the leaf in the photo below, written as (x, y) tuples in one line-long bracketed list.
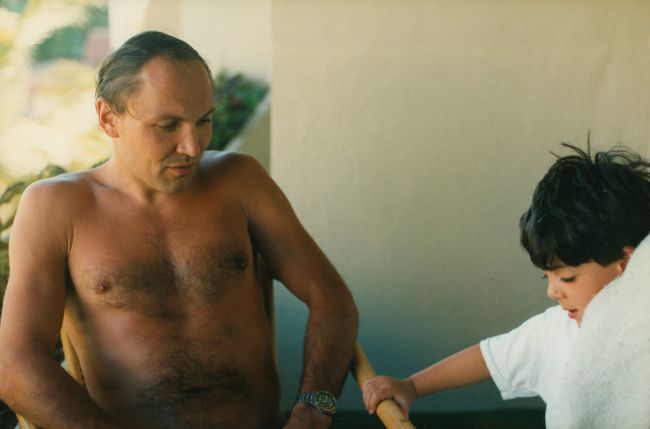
[(41, 17), (50, 171), (12, 190), (8, 223), (236, 98)]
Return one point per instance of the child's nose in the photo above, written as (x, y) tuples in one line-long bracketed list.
[(553, 292)]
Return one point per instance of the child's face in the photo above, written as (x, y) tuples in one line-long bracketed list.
[(573, 287)]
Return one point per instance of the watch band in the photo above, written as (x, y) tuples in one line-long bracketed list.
[(324, 402)]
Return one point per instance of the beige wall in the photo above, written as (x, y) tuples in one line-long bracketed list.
[(409, 136), (233, 34)]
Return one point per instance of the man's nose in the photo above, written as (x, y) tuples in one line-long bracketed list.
[(190, 144)]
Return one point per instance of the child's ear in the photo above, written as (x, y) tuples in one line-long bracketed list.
[(107, 118), (627, 253)]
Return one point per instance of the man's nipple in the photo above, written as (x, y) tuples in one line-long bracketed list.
[(102, 287)]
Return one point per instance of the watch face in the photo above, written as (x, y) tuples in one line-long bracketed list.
[(326, 402)]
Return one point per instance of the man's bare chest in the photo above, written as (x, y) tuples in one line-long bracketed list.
[(135, 262)]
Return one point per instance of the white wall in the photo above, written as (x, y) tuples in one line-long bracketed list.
[(409, 136)]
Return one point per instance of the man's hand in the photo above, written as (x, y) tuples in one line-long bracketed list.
[(305, 417), (379, 388)]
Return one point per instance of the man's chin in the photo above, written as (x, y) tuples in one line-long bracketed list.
[(180, 184)]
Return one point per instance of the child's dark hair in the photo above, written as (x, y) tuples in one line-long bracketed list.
[(587, 210)]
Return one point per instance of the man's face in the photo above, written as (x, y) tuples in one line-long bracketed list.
[(167, 125), (573, 287)]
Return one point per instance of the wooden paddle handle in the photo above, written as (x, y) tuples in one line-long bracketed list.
[(389, 412)]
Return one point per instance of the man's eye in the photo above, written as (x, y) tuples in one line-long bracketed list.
[(205, 120), (167, 126)]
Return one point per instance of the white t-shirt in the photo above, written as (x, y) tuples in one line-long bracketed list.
[(529, 360)]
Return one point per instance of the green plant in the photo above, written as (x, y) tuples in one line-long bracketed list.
[(69, 41), (46, 113), (236, 97)]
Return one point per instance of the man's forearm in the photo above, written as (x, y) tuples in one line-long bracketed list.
[(329, 344), (40, 390)]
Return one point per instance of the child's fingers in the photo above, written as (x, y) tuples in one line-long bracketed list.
[(372, 393), (376, 390), (369, 394), (403, 405)]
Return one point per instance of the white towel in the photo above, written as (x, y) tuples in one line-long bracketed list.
[(606, 381)]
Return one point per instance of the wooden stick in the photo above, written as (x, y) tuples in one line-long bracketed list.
[(24, 424), (389, 412), (71, 359)]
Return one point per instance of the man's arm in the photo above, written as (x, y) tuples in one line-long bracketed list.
[(32, 382), (303, 268)]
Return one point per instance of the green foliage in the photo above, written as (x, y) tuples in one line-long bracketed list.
[(236, 98), (4, 269), (13, 5), (69, 41)]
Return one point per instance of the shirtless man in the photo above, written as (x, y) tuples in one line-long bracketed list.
[(151, 256)]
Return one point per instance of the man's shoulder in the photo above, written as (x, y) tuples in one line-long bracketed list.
[(231, 166), (47, 209), (61, 186), (65, 190), (221, 160)]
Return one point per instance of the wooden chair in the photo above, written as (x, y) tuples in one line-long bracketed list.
[(388, 411)]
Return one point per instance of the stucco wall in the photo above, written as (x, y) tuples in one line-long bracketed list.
[(230, 34), (409, 136)]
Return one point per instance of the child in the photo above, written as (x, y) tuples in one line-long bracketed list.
[(586, 218)]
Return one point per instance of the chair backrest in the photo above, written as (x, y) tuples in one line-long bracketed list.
[(388, 411)]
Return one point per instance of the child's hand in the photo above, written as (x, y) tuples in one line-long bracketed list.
[(379, 388)]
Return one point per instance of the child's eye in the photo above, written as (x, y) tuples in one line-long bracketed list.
[(568, 279)]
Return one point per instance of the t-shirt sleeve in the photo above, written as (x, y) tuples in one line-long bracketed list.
[(512, 358)]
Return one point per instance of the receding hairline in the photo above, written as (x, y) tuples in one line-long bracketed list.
[(121, 105), (117, 77)]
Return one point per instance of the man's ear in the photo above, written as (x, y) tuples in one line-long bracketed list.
[(107, 118), (627, 254)]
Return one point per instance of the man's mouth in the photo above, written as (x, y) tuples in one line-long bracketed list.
[(182, 169)]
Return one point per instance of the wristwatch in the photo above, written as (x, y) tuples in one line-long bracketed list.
[(324, 402)]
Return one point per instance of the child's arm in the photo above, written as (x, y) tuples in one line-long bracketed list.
[(461, 369)]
